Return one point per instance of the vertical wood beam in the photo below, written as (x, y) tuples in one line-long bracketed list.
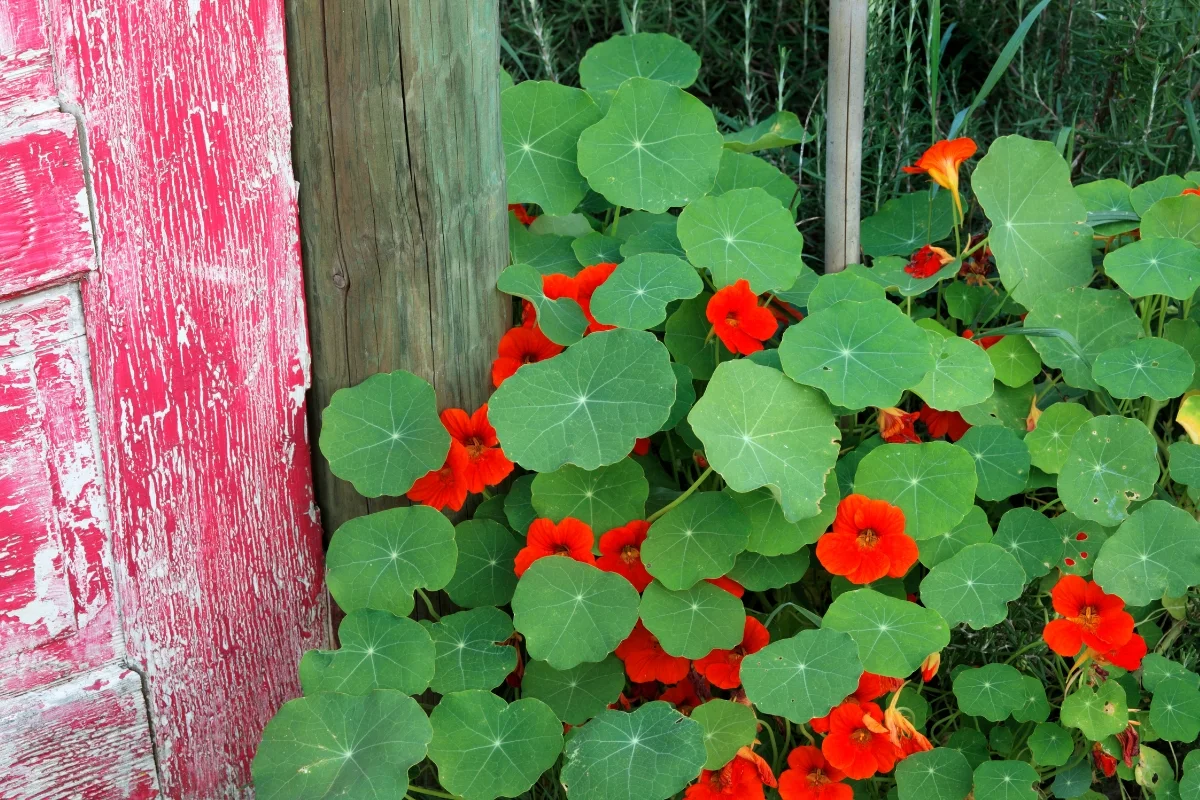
[(843, 166), (403, 216)]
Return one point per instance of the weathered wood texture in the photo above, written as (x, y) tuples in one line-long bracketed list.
[(402, 206), (843, 160)]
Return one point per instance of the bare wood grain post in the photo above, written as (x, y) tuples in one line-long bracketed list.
[(843, 170), (403, 218)]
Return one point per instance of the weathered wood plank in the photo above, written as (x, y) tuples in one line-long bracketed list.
[(402, 205), (843, 170)]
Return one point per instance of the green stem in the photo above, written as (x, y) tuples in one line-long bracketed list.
[(616, 219), (686, 494), (432, 611), (1024, 650)]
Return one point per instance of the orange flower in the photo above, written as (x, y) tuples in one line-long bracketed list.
[(809, 777), (1128, 656), (528, 314), (927, 261), (857, 743), (1195, 192), (1090, 617), (621, 552), (570, 538), (728, 584), (943, 423), (446, 485), (930, 665), (557, 286), (739, 321), (983, 341), (867, 541), (940, 162), (723, 668), (901, 732), (486, 462), (586, 283), (645, 660), (739, 779), (872, 686), (1104, 762), (521, 346), (640, 447), (683, 696), (521, 214), (896, 426)]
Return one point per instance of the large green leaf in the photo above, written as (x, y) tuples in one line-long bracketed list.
[(1038, 236), (570, 612), (1156, 266), (1111, 462), (1150, 367), (700, 538), (757, 572), (693, 622), (1051, 745), (572, 225), (649, 754), (889, 272), (1155, 552), (562, 320), (893, 636), (859, 354), (1177, 217), (596, 248), (1036, 707), (518, 505), (781, 129), (384, 433), (1097, 711), (1175, 710), (1049, 442), (761, 429), (586, 406), (975, 586), (471, 650), (603, 498), (1006, 780), (903, 225), (1186, 334), (1008, 406), (973, 529), (484, 574), (377, 561), (1081, 540), (576, 694), (1097, 320), (1147, 194), (657, 148), (1032, 539), (770, 532), (938, 774), (637, 293), (540, 123), (1108, 196), (645, 55), (992, 691), (1184, 463), (853, 283), (933, 483), (962, 374), (378, 651), (804, 676), (1001, 461), (1156, 669), (340, 745), (685, 395), (1015, 361), (740, 171), (728, 727), (486, 748), (547, 254)]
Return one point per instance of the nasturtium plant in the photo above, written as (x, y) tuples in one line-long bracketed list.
[(737, 523)]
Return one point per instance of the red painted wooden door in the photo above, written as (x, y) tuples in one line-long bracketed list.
[(160, 556)]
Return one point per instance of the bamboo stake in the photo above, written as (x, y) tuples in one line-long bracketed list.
[(843, 166)]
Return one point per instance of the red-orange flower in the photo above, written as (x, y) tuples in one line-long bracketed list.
[(521, 214), (586, 283), (867, 541), (521, 346), (621, 552), (739, 321), (940, 162), (570, 538), (446, 485), (1090, 617), (985, 342), (728, 584), (930, 666), (557, 286), (927, 261), (857, 742), (641, 447), (739, 779), (1195, 192), (723, 668), (645, 660), (896, 425), (943, 423), (903, 734), (1128, 656), (1104, 762), (872, 686), (486, 462), (683, 696), (810, 777)]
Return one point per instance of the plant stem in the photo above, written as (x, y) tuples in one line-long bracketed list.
[(616, 220), (1023, 650), (686, 494), (429, 607)]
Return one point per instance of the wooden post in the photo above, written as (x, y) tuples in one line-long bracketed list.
[(403, 217), (843, 166)]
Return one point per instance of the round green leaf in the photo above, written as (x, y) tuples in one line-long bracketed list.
[(1156, 266), (540, 123), (484, 574), (341, 745), (378, 560), (1001, 461), (1156, 669), (570, 612), (743, 233), (973, 529), (770, 532), (852, 283), (757, 572), (859, 354), (889, 273), (1015, 361), (1032, 539), (586, 406), (1051, 744), (637, 293), (1185, 463), (962, 375), (700, 538), (1111, 462), (804, 676), (562, 320), (1109, 196), (993, 691), (781, 129), (603, 498), (933, 483), (728, 727), (660, 238), (470, 650), (548, 254), (1155, 552), (739, 171), (486, 748), (657, 148), (685, 395), (1008, 406), (1147, 194), (1006, 780), (596, 248), (1039, 236), (1081, 540), (974, 586), (384, 433), (644, 55), (893, 636), (1036, 707), (1097, 711), (378, 651), (1049, 442), (1150, 367), (938, 774), (1097, 319), (518, 505), (1176, 216), (689, 341), (649, 754), (759, 428), (1073, 781), (1175, 710), (693, 622), (572, 225), (972, 744), (903, 225), (1189, 784), (576, 694)]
